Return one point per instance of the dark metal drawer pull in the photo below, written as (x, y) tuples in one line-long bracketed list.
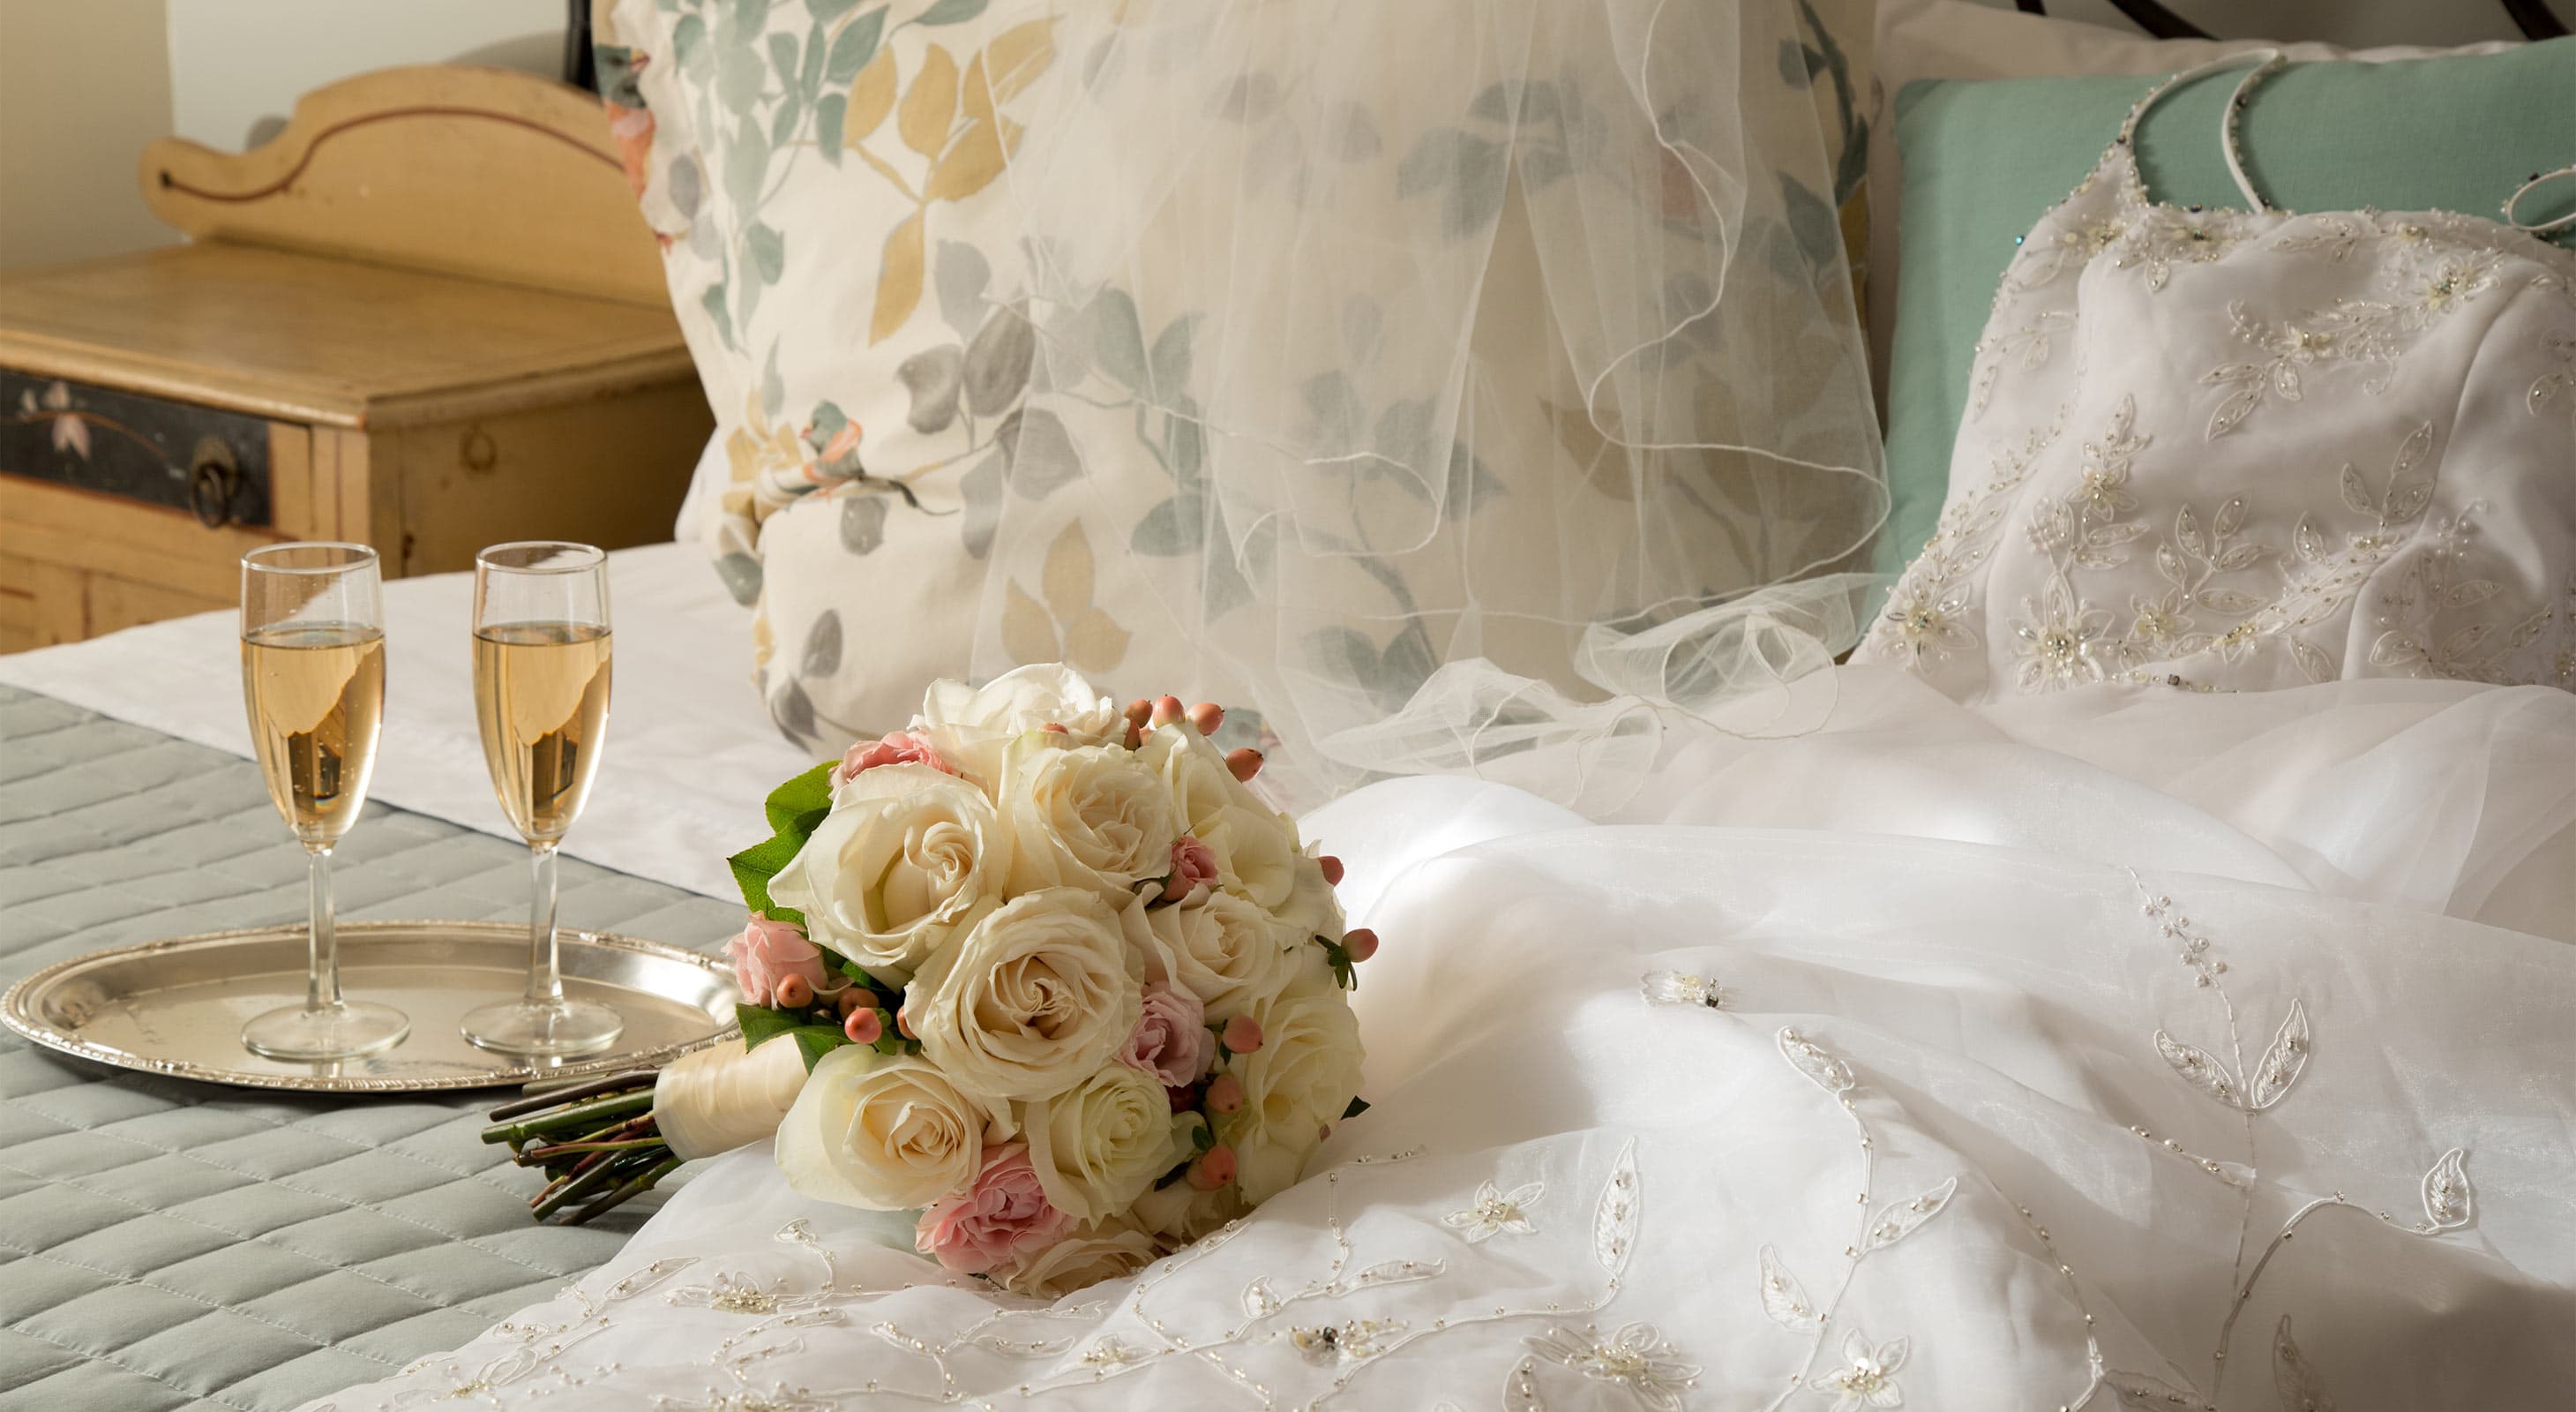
[(212, 479)]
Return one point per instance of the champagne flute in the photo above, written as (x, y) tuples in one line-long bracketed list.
[(541, 694), (313, 679)]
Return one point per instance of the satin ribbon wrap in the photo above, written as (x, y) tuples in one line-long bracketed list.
[(720, 1098)]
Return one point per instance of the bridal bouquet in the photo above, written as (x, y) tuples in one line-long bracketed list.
[(1047, 973)]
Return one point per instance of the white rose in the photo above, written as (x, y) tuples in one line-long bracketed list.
[(888, 1133), (1086, 816), (972, 726), (907, 861), (1303, 1076), (1031, 1002), (1256, 847), (1313, 907), (1108, 1250), (1099, 1146), (1227, 951), (1180, 1213)]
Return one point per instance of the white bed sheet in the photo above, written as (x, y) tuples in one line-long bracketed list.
[(691, 752)]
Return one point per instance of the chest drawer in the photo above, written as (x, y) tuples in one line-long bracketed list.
[(212, 464)]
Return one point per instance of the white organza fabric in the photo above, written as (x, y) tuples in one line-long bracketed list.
[(1424, 333), (2112, 1050), (2240, 450)]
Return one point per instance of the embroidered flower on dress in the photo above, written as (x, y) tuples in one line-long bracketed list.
[(1495, 1212), (1868, 1375), (1637, 1357), (1681, 988), (1349, 1342), (1927, 623), (2060, 637), (2168, 236)]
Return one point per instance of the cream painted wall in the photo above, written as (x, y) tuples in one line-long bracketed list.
[(82, 87), (235, 63)]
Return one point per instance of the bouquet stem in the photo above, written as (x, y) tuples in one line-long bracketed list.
[(597, 1139)]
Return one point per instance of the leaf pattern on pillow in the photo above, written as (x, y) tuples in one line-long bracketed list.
[(1062, 623)]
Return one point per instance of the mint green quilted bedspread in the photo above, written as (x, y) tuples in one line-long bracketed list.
[(165, 1244)]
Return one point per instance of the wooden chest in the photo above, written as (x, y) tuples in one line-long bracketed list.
[(427, 317)]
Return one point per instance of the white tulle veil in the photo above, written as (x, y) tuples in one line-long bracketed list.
[(1490, 367)]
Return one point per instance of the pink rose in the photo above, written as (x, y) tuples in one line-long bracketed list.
[(768, 952), (1170, 1040), (900, 748), (1002, 1214), (1193, 867)]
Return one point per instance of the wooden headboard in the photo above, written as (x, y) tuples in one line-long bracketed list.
[(492, 173)]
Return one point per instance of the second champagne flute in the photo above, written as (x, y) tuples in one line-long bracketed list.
[(541, 660)]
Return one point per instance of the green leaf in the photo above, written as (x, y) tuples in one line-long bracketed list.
[(1117, 337), (768, 251), (746, 165), (1188, 450), (1345, 972), (1358, 1106), (854, 47), (1171, 359), (760, 1022), (830, 116), (713, 301), (949, 12), (815, 1041), (1334, 405), (784, 122), (1171, 528), (1818, 230), (809, 74), (773, 388), (826, 11), (755, 866), (782, 59), (806, 796), (739, 72), (689, 45)]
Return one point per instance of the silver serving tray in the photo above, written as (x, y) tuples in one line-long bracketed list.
[(177, 1007)]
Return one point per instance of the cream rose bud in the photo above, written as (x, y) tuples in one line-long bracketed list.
[(887, 1133), (1305, 1073), (1104, 1250), (907, 861), (973, 726), (1227, 951), (1084, 816), (1099, 1146), (1031, 1002), (1255, 846)]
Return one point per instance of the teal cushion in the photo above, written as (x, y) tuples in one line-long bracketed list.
[(1983, 161)]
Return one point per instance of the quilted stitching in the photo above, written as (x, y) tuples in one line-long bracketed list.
[(167, 1245)]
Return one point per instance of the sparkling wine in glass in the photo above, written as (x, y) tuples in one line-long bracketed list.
[(313, 678), (541, 669)]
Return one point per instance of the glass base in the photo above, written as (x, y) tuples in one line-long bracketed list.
[(342, 1031), (560, 1030)]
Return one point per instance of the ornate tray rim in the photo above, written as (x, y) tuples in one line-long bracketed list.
[(16, 1011)]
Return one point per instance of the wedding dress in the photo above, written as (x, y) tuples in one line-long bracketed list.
[(1874, 1074), (2237, 450), (2126, 1048)]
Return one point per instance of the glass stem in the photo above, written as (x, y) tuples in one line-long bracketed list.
[(322, 975), (545, 982)]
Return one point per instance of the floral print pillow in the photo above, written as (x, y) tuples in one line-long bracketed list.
[(931, 466)]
